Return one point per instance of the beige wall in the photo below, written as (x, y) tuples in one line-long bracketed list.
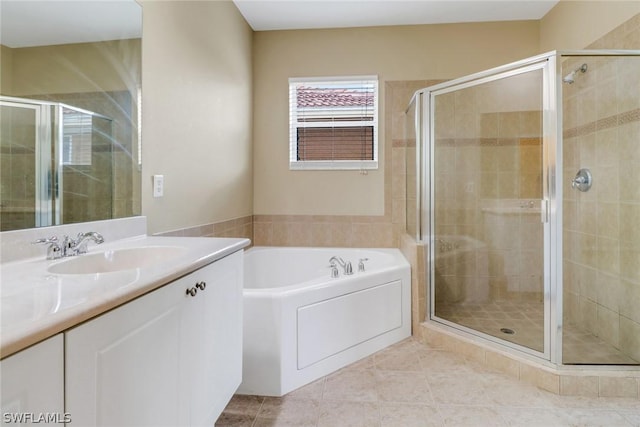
[(393, 53), (577, 24), (196, 113), (6, 69), (73, 68)]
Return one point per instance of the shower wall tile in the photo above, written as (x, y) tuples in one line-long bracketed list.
[(415, 253), (502, 364), (579, 386), (618, 387), (630, 337), (539, 377), (608, 323), (601, 130), (242, 227)]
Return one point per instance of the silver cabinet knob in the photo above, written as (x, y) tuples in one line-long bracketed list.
[(192, 292), (201, 285)]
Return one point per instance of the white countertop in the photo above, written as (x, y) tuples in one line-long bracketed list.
[(36, 304)]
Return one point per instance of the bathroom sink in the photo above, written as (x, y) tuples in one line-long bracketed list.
[(117, 260)]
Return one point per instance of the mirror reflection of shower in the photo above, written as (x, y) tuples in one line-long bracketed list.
[(571, 77), (57, 164)]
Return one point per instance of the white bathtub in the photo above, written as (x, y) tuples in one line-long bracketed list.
[(462, 270), (300, 324)]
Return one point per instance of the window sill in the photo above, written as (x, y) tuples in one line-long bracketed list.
[(333, 165)]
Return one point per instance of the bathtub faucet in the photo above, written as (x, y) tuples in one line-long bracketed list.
[(346, 266)]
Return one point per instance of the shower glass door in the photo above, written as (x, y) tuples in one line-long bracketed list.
[(487, 184), (25, 156)]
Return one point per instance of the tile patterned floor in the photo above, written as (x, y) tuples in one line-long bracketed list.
[(410, 384), (526, 318)]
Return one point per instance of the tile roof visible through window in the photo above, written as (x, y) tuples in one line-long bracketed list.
[(327, 97)]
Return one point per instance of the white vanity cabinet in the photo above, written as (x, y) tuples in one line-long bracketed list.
[(33, 384), (171, 357)]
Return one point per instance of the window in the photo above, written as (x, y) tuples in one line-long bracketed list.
[(76, 140), (333, 123)]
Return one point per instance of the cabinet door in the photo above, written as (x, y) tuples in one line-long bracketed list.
[(33, 384), (214, 319), (123, 367)]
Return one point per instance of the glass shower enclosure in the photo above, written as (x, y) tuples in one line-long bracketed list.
[(527, 196), (55, 166)]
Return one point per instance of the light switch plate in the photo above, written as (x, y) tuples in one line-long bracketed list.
[(158, 185)]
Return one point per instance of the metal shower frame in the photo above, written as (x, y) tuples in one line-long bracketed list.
[(551, 204)]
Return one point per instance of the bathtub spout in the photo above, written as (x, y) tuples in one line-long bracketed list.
[(346, 266)]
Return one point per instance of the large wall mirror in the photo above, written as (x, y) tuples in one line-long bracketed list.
[(69, 111)]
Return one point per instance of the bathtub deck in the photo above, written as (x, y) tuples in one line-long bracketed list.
[(410, 384)]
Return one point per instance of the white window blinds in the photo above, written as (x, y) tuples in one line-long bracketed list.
[(333, 123), (77, 138)]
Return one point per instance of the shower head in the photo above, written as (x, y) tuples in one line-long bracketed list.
[(570, 78)]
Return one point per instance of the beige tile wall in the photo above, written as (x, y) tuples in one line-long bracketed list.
[(238, 227), (602, 226), (601, 240), (415, 254)]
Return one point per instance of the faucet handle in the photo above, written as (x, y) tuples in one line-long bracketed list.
[(45, 240), (80, 244), (361, 264), (54, 251), (93, 235), (334, 270)]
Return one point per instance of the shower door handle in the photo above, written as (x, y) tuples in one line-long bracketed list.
[(544, 211)]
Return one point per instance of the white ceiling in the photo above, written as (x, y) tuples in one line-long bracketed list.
[(304, 14), (25, 23)]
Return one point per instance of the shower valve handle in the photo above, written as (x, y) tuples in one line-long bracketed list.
[(582, 180)]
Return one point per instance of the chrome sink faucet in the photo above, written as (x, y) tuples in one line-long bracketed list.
[(69, 247), (80, 244)]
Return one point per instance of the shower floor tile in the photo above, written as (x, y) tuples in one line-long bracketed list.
[(526, 319), (411, 384)]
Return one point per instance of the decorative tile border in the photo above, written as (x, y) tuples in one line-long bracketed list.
[(488, 142), (602, 124)]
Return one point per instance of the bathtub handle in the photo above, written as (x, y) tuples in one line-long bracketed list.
[(201, 285), (361, 264), (334, 270), (192, 292)]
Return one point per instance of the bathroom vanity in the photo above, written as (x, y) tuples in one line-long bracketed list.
[(156, 345)]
